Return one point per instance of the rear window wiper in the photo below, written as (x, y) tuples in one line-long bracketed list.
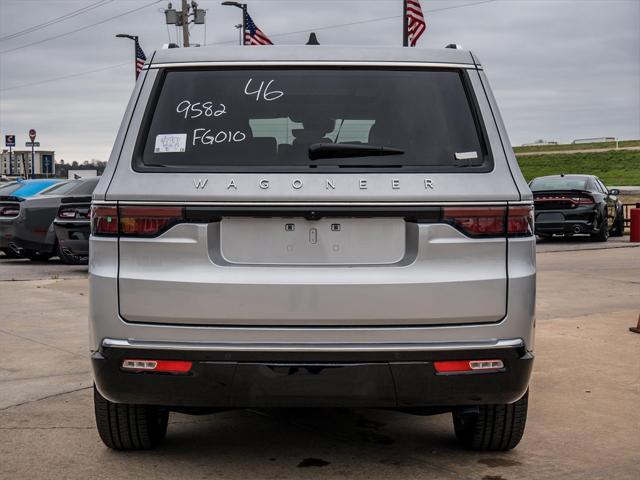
[(347, 150)]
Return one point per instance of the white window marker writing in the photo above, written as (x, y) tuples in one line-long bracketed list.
[(170, 143), (267, 95), (198, 109), (206, 137)]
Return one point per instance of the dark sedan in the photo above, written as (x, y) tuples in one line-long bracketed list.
[(73, 228), (27, 223), (576, 204)]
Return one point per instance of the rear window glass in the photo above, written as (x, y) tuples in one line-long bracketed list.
[(559, 183), (8, 188), (266, 120), (60, 188), (84, 187)]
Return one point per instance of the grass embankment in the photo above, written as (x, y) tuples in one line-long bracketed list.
[(617, 168), (574, 146)]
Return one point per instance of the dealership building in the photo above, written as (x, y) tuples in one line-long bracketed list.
[(19, 164)]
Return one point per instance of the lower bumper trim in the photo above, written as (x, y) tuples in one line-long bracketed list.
[(252, 379)]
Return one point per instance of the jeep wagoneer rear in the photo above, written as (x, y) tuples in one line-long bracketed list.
[(312, 227)]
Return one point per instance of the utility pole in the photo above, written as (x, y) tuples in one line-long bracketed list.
[(182, 18), (185, 23)]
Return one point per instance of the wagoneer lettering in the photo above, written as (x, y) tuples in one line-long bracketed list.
[(312, 262)]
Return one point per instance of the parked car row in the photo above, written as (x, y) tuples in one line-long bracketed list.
[(576, 204), (40, 219)]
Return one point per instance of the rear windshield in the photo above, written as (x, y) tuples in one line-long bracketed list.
[(8, 188), (558, 183), (84, 187), (266, 120), (60, 188)]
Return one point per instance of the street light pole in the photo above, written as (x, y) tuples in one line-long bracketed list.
[(240, 35), (135, 58), (243, 7)]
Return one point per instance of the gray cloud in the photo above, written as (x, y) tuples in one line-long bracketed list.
[(560, 69)]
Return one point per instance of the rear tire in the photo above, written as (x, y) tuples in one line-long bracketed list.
[(494, 427), (603, 234), (37, 256), (72, 259), (10, 253), (618, 228), (129, 427)]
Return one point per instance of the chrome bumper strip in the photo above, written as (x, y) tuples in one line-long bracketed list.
[(310, 347)]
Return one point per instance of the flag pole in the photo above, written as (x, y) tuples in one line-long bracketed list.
[(405, 25), (135, 56), (244, 21)]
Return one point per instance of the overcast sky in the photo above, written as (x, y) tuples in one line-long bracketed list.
[(560, 69)]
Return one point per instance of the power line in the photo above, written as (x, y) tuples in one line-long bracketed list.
[(81, 28), (59, 19), (360, 22), (65, 77), (218, 43), (380, 19)]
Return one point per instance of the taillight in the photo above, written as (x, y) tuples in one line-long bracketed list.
[(491, 221), (10, 211), (133, 221), (476, 221), (520, 221), (104, 220), (583, 200), (148, 221), (73, 213)]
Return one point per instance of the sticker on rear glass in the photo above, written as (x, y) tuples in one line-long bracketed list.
[(170, 143)]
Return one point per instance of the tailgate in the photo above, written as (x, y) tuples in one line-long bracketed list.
[(339, 269)]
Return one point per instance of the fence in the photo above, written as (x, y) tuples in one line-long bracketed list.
[(627, 212)]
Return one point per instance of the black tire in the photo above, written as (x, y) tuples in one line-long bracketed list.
[(618, 226), (494, 428), (10, 253), (603, 233), (545, 236), (70, 259), (129, 427), (37, 256)]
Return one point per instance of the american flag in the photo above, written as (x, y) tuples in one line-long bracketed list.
[(252, 34), (140, 58), (415, 22)]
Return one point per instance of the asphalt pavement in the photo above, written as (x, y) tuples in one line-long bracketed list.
[(584, 419)]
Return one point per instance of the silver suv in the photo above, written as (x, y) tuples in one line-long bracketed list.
[(312, 227)]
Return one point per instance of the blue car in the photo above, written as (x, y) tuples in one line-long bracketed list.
[(27, 188)]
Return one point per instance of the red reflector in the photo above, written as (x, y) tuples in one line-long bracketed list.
[(476, 221), (104, 220), (453, 366), (166, 366), (148, 220)]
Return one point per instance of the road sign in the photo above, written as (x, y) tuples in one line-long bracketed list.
[(32, 134), (31, 144), (10, 140)]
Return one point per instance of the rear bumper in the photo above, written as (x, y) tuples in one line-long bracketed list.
[(243, 378), (17, 236), (73, 236), (576, 220)]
